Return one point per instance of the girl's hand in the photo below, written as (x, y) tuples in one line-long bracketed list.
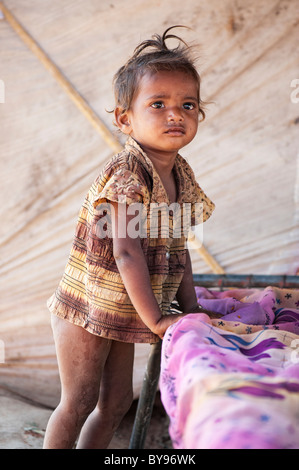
[(198, 309), (165, 321)]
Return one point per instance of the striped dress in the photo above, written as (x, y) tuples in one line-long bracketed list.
[(91, 293)]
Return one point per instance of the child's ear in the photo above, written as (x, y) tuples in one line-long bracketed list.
[(122, 120)]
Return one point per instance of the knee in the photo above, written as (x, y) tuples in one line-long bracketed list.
[(82, 404), (114, 412), (125, 404), (122, 405), (86, 405)]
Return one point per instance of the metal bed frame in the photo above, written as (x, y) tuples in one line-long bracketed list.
[(152, 373)]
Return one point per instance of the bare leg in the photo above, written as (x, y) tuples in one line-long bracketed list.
[(81, 358), (116, 396)]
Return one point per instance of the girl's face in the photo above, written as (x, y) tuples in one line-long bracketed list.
[(164, 112)]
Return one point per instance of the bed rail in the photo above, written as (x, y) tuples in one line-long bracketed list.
[(242, 281)]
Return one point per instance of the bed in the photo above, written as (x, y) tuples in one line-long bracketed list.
[(232, 382)]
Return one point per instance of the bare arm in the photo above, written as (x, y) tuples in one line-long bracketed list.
[(186, 295), (134, 271)]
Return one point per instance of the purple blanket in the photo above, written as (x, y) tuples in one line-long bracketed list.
[(233, 383)]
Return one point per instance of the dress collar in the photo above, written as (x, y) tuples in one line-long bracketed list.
[(184, 176), (133, 147), (159, 194)]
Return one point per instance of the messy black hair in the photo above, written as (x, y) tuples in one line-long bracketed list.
[(158, 58)]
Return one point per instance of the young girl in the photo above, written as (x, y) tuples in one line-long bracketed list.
[(118, 286)]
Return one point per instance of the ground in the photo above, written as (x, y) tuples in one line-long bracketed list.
[(157, 436), (23, 424)]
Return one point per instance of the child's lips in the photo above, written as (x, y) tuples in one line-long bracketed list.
[(175, 130)]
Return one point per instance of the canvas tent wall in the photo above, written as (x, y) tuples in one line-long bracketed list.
[(245, 155)]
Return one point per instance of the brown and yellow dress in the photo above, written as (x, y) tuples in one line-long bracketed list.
[(91, 293)]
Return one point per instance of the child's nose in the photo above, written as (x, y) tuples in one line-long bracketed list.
[(175, 114)]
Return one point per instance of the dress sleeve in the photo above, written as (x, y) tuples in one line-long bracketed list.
[(200, 204), (124, 187), (202, 208)]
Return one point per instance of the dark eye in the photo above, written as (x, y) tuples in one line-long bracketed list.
[(157, 105), (189, 106)]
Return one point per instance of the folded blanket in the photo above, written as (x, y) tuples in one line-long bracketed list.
[(233, 382)]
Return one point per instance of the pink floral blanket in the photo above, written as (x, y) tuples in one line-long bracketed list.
[(233, 383)]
